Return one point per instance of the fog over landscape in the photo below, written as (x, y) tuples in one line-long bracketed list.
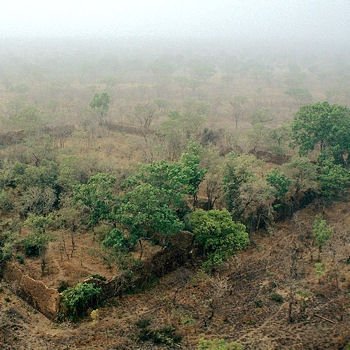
[(175, 175), (251, 20)]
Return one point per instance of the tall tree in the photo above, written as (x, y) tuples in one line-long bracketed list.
[(100, 104), (325, 127)]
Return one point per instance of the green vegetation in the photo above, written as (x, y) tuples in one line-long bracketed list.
[(78, 299), (218, 344), (35, 244), (97, 196), (100, 104), (104, 154), (278, 298), (163, 336), (217, 235), (322, 232), (144, 211), (279, 182), (324, 126)]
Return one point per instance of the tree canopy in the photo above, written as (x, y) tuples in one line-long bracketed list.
[(218, 235), (325, 127), (100, 104)]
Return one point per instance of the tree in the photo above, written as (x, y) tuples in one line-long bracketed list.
[(333, 179), (144, 212), (303, 174), (237, 104), (179, 128), (38, 223), (175, 179), (279, 182), (100, 104), (213, 178), (301, 95), (165, 176), (325, 127), (322, 232), (237, 171), (217, 235), (98, 196), (190, 166)]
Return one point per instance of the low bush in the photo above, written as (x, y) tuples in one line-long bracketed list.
[(163, 336), (217, 235), (218, 344), (35, 244), (278, 298), (78, 299)]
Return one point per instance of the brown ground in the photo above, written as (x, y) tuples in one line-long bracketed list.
[(68, 265), (237, 303)]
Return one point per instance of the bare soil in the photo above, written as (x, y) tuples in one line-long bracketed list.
[(65, 262)]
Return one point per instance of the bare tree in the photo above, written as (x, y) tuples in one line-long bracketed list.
[(237, 104)]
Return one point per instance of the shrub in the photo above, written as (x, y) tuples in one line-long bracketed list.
[(163, 336), (116, 240), (218, 344), (278, 298), (5, 203), (20, 258), (217, 235), (78, 299), (35, 244), (7, 241), (279, 182), (322, 232), (333, 179)]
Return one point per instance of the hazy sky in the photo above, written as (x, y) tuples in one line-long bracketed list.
[(245, 19)]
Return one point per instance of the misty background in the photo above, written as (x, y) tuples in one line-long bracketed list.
[(279, 55), (252, 20)]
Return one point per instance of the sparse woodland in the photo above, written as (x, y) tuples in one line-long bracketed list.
[(106, 157)]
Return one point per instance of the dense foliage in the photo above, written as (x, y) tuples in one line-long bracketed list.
[(217, 235), (324, 126), (78, 299)]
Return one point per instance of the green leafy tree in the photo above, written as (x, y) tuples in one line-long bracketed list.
[(165, 176), (333, 179), (7, 246), (100, 104), (43, 175), (28, 118), (180, 127), (304, 176), (190, 167), (98, 196), (175, 179), (38, 200), (238, 170), (279, 182), (322, 232), (323, 126), (144, 212), (35, 244), (217, 235), (320, 270), (6, 204), (117, 240), (38, 223)]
